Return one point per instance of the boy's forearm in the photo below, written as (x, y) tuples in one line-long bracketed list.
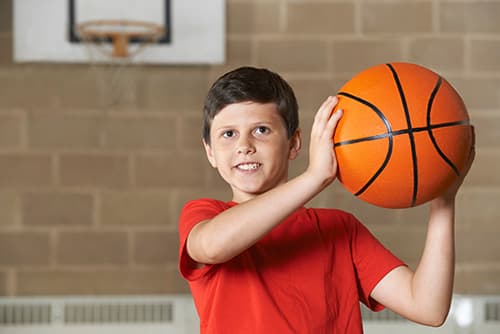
[(432, 284), (424, 296), (238, 228)]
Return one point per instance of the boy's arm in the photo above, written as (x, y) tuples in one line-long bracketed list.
[(231, 232), (424, 296)]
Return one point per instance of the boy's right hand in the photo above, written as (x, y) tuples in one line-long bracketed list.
[(322, 160)]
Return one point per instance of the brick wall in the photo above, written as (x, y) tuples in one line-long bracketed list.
[(89, 194)]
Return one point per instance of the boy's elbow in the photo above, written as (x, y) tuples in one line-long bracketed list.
[(436, 319), (437, 322), (212, 254), (212, 257)]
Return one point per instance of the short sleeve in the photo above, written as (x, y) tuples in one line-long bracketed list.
[(372, 262), (193, 213)]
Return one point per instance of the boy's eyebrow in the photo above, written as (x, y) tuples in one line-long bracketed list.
[(251, 124)]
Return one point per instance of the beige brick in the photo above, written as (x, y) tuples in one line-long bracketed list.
[(191, 132), (397, 17), (214, 180), (368, 214), (94, 170), (484, 171), (486, 130), (239, 51), (182, 197), (300, 164), (9, 209), (140, 132), (478, 207), (63, 131), (477, 281), (100, 282), (24, 248), (18, 170), (135, 208), (3, 283), (253, 17), (478, 243), (301, 55), (441, 54), (478, 93), (484, 55), (6, 16), (92, 248), (64, 209), (6, 49), (170, 170), (406, 242), (24, 87), (320, 18), (156, 247), (173, 89), (356, 55), (87, 87), (10, 130), (311, 93), (472, 17)]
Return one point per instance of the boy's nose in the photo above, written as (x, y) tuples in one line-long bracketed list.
[(245, 146)]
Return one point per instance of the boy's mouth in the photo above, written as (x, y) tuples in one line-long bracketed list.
[(248, 166)]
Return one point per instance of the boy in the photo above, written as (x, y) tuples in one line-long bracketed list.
[(263, 263)]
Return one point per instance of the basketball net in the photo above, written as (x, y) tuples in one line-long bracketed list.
[(112, 46)]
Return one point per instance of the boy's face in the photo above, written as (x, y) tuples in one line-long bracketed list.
[(250, 149)]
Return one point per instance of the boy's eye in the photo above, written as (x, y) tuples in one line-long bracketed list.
[(262, 130), (228, 134)]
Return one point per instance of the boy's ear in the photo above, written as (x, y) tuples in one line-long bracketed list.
[(295, 144), (210, 154)]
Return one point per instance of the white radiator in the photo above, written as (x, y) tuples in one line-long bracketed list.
[(468, 315), (175, 314)]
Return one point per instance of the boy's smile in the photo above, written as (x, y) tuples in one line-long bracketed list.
[(250, 149)]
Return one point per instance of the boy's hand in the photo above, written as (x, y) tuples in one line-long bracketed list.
[(451, 192), (322, 161)]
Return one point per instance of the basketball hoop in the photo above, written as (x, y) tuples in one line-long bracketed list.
[(120, 33), (111, 46)]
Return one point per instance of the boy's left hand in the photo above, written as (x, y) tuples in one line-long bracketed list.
[(322, 161), (452, 190)]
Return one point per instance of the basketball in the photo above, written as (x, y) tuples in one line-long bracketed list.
[(404, 137)]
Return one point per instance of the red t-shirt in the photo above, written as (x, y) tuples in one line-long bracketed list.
[(306, 276)]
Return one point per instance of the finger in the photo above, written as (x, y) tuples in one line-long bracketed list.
[(326, 107), (333, 122), (324, 112)]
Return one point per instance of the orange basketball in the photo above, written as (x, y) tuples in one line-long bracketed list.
[(405, 135)]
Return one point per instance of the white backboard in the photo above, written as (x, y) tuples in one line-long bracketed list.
[(44, 29)]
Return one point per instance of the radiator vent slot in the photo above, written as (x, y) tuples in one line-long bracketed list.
[(117, 313), (155, 314), (492, 311), (384, 315), (30, 314)]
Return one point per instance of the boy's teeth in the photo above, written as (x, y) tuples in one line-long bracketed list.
[(248, 166)]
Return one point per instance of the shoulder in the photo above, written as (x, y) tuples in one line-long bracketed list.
[(332, 215), (206, 203), (197, 210), (335, 221)]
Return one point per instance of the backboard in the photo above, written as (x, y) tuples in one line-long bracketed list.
[(45, 31)]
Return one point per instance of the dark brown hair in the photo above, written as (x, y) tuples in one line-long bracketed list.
[(250, 84)]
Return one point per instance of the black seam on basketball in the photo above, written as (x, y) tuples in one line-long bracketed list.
[(431, 135), (410, 132), (379, 171), (427, 128), (388, 135)]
